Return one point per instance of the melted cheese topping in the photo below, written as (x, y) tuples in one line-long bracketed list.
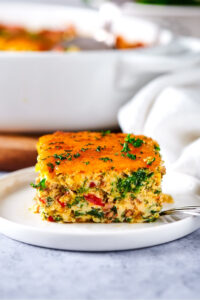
[(94, 152)]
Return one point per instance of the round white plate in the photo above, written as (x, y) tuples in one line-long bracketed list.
[(18, 222)]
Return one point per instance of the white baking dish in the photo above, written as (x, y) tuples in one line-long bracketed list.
[(71, 91)]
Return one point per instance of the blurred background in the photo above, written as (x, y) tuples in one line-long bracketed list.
[(73, 64)]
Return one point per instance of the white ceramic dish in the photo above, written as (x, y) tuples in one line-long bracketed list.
[(70, 91), (18, 222)]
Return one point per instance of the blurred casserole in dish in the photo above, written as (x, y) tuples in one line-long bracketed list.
[(32, 81), (18, 38)]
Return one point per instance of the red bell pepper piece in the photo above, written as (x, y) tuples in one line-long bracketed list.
[(94, 199), (42, 200), (61, 203)]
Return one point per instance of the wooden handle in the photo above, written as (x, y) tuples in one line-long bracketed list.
[(17, 152)]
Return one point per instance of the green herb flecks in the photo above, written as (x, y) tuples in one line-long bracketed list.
[(128, 220), (53, 143), (114, 209), (78, 213), (95, 212), (98, 149), (157, 192), (49, 201), (105, 159), (104, 133), (51, 166), (131, 156), (41, 185), (76, 155), (116, 220), (135, 142), (157, 148), (86, 162), (84, 149), (150, 161), (131, 183), (61, 156), (58, 219), (125, 148), (82, 190), (76, 201), (150, 219)]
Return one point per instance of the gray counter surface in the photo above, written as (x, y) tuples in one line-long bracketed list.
[(170, 271)]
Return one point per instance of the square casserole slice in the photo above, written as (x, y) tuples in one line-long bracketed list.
[(98, 177)]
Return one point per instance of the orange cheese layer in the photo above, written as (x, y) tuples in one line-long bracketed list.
[(91, 152)]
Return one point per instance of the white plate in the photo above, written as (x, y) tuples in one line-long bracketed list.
[(18, 222)]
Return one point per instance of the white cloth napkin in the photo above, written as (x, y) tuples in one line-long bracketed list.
[(168, 110)]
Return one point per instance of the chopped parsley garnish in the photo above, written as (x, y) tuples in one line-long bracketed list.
[(157, 148), (57, 218), (125, 147), (131, 156), (138, 143), (76, 155), (76, 201), (49, 201), (60, 156), (84, 149), (105, 159), (150, 220), (128, 220), (157, 192), (114, 209), (135, 142), (116, 220), (57, 162), (58, 147), (86, 162), (153, 212), (56, 143), (78, 213), (41, 185), (98, 148), (82, 190), (150, 161), (95, 212), (51, 166), (104, 133), (131, 183)]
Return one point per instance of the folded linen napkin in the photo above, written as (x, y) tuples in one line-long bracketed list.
[(168, 110)]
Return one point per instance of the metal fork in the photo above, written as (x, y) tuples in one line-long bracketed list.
[(190, 210)]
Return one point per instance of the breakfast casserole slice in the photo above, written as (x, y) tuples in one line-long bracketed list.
[(98, 177)]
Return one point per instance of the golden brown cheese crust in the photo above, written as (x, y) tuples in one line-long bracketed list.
[(90, 152)]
